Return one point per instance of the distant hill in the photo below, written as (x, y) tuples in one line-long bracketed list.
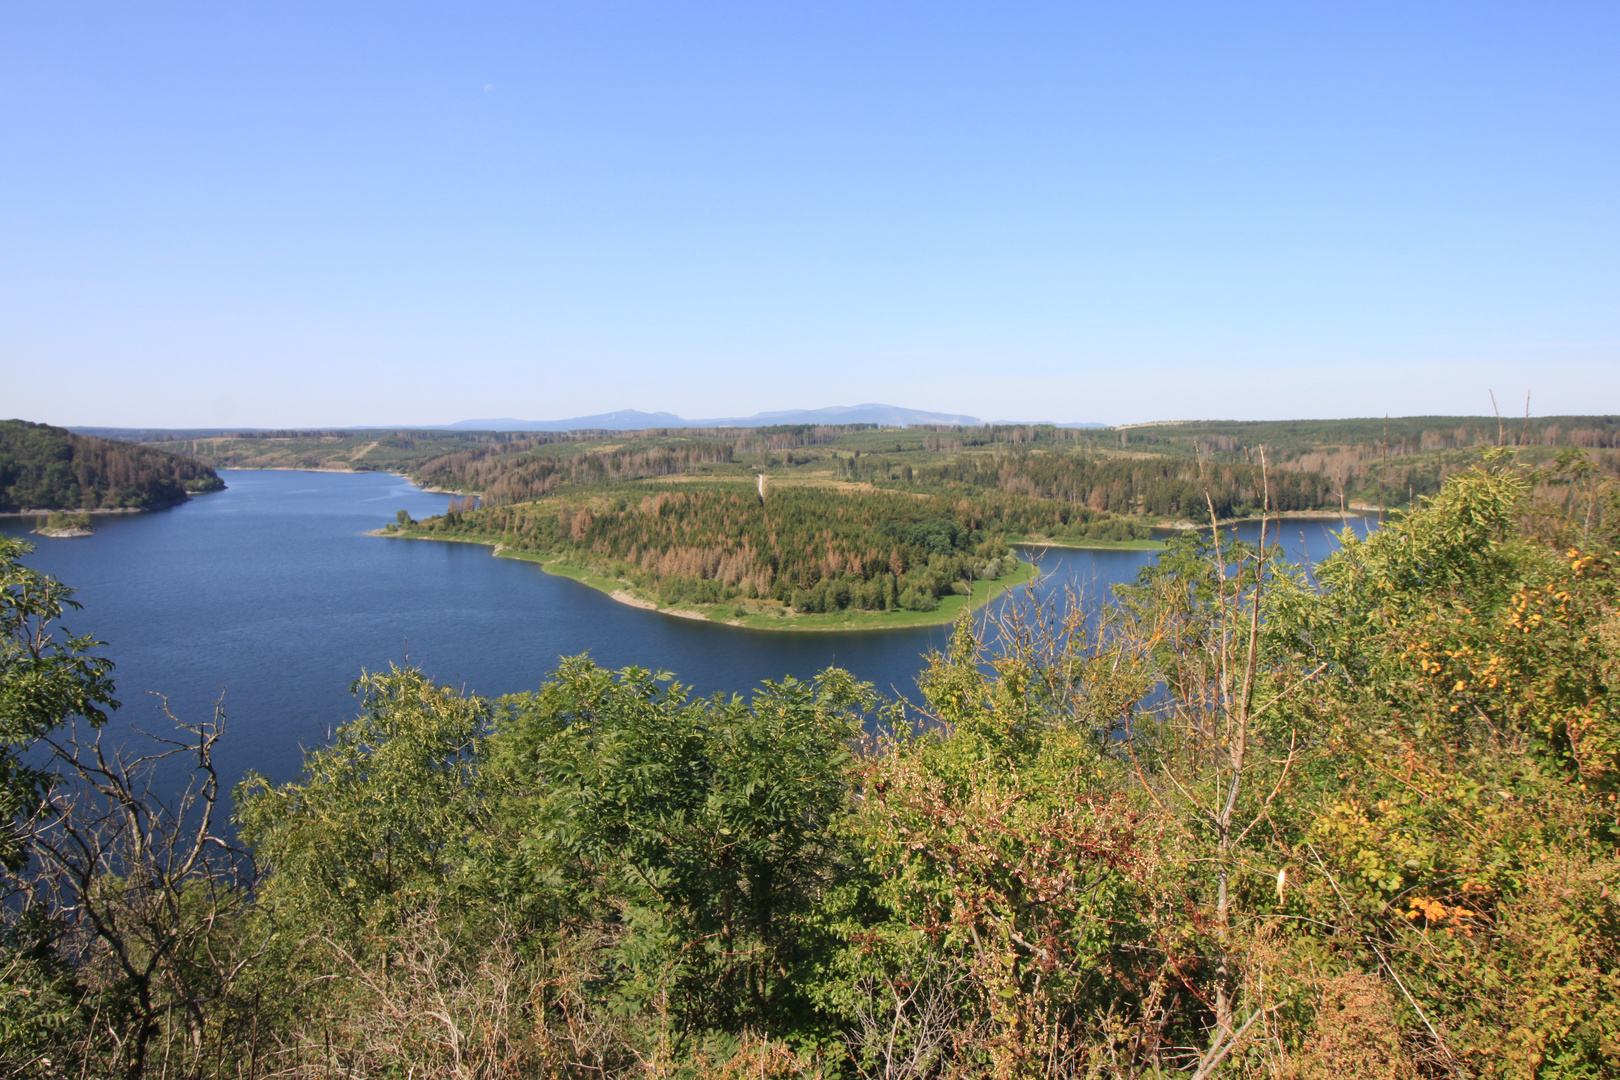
[(146, 435), (633, 420), (623, 420), (871, 413), (51, 468)]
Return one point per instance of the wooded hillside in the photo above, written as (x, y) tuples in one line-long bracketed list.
[(50, 468), (1149, 470)]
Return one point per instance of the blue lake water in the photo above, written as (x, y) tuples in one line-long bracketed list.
[(271, 594)]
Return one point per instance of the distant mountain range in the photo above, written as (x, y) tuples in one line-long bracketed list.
[(623, 420), (634, 420)]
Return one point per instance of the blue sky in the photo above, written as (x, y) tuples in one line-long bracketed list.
[(331, 213)]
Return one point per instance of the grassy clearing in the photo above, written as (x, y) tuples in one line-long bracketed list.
[(1088, 545)]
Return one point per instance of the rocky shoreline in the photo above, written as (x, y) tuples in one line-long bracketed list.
[(99, 510)]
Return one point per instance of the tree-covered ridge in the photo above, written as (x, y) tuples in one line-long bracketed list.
[(1402, 434), (1375, 460), (514, 478), (1316, 464), (410, 450), (370, 451), (1157, 476), (49, 468), (815, 548), (1160, 488)]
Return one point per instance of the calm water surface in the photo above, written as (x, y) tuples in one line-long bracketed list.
[(271, 593)]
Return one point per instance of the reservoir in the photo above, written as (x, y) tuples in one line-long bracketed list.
[(271, 594)]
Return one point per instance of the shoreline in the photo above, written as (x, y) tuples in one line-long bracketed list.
[(1096, 545), (342, 472), (102, 510), (761, 615), (1293, 515), (288, 468)]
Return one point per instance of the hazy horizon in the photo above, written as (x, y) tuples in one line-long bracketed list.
[(1506, 419)]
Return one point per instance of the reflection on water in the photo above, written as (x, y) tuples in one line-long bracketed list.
[(271, 592)]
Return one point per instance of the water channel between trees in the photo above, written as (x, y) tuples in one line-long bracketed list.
[(272, 593)]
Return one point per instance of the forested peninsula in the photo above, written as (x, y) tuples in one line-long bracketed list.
[(798, 528), (44, 468), (796, 557)]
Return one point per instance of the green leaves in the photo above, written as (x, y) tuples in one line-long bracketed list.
[(44, 681), (999, 856), (387, 811), (698, 832)]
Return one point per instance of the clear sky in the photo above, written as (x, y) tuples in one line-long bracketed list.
[(277, 214)]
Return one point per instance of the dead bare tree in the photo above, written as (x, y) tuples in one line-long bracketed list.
[(148, 893), (1200, 763), (436, 1002), (910, 1028)]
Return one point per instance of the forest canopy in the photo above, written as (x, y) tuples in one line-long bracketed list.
[(50, 468), (1153, 470), (816, 548)]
